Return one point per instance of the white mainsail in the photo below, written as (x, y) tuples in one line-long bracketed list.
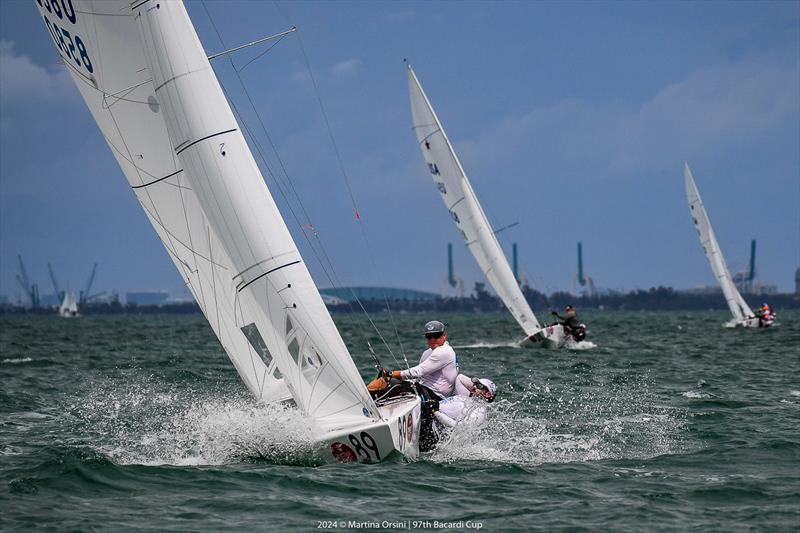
[(463, 205), (711, 248), (142, 71)]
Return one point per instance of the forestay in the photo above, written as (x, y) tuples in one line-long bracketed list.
[(463, 205), (143, 73), (711, 248)]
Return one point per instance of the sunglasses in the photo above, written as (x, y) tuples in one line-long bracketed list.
[(433, 335), (478, 384)]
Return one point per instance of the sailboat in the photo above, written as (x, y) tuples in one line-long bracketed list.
[(142, 71), (69, 306), (742, 314), (461, 202)]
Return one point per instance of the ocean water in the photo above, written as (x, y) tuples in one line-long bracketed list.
[(141, 423)]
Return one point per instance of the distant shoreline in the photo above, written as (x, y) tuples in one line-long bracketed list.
[(654, 299)]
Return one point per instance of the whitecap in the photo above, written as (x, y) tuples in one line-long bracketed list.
[(696, 395), (14, 361)]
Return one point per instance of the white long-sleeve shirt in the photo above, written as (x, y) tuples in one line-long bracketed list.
[(460, 410), (463, 385), (437, 370)]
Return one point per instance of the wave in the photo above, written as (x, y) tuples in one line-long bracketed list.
[(491, 345), (696, 395), (17, 360)]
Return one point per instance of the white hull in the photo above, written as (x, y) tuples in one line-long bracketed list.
[(749, 323), (375, 441), (554, 338)]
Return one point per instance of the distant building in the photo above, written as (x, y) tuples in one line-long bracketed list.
[(703, 289), (147, 297), (349, 294), (763, 288), (797, 281)]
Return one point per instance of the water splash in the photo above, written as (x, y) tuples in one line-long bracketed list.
[(149, 423), (560, 424)]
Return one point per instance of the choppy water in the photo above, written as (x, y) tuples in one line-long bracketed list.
[(141, 423)]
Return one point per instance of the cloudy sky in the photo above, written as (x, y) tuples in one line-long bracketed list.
[(573, 119)]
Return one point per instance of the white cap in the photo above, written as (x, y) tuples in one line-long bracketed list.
[(488, 383)]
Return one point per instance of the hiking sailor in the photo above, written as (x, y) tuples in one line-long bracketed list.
[(765, 316), (468, 408), (570, 322)]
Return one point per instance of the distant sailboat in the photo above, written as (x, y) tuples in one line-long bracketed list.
[(462, 203), (142, 71), (742, 314), (69, 306)]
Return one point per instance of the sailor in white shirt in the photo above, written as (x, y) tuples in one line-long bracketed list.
[(437, 368), (468, 408)]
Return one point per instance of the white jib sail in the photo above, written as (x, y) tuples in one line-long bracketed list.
[(711, 248), (69, 306), (142, 71), (463, 205)]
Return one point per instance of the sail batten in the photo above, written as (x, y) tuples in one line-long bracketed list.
[(452, 182)]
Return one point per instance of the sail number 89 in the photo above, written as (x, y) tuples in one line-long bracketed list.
[(364, 445)]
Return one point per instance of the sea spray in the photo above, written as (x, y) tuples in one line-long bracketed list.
[(152, 422)]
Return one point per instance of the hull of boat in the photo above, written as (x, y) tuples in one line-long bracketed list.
[(749, 323), (373, 442)]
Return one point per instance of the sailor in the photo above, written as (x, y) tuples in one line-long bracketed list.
[(437, 368), (570, 322), (468, 409), (765, 315), (463, 385)]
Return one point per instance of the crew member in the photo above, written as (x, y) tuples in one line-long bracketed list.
[(437, 368), (765, 316), (467, 409), (570, 322)]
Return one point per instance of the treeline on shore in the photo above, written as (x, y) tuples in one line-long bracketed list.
[(654, 299)]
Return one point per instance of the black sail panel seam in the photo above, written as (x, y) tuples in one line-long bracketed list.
[(156, 181), (240, 289), (178, 152)]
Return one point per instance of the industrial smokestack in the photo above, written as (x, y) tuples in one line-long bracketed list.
[(451, 279), (515, 268), (752, 274)]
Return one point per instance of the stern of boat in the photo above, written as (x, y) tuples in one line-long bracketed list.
[(373, 442)]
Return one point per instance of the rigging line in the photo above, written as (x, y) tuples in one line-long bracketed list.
[(323, 249), (259, 56), (278, 36), (291, 184), (350, 191), (300, 202)]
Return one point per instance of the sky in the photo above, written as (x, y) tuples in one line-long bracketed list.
[(571, 118)]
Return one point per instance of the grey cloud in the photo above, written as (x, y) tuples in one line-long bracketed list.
[(711, 109), (24, 81)]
